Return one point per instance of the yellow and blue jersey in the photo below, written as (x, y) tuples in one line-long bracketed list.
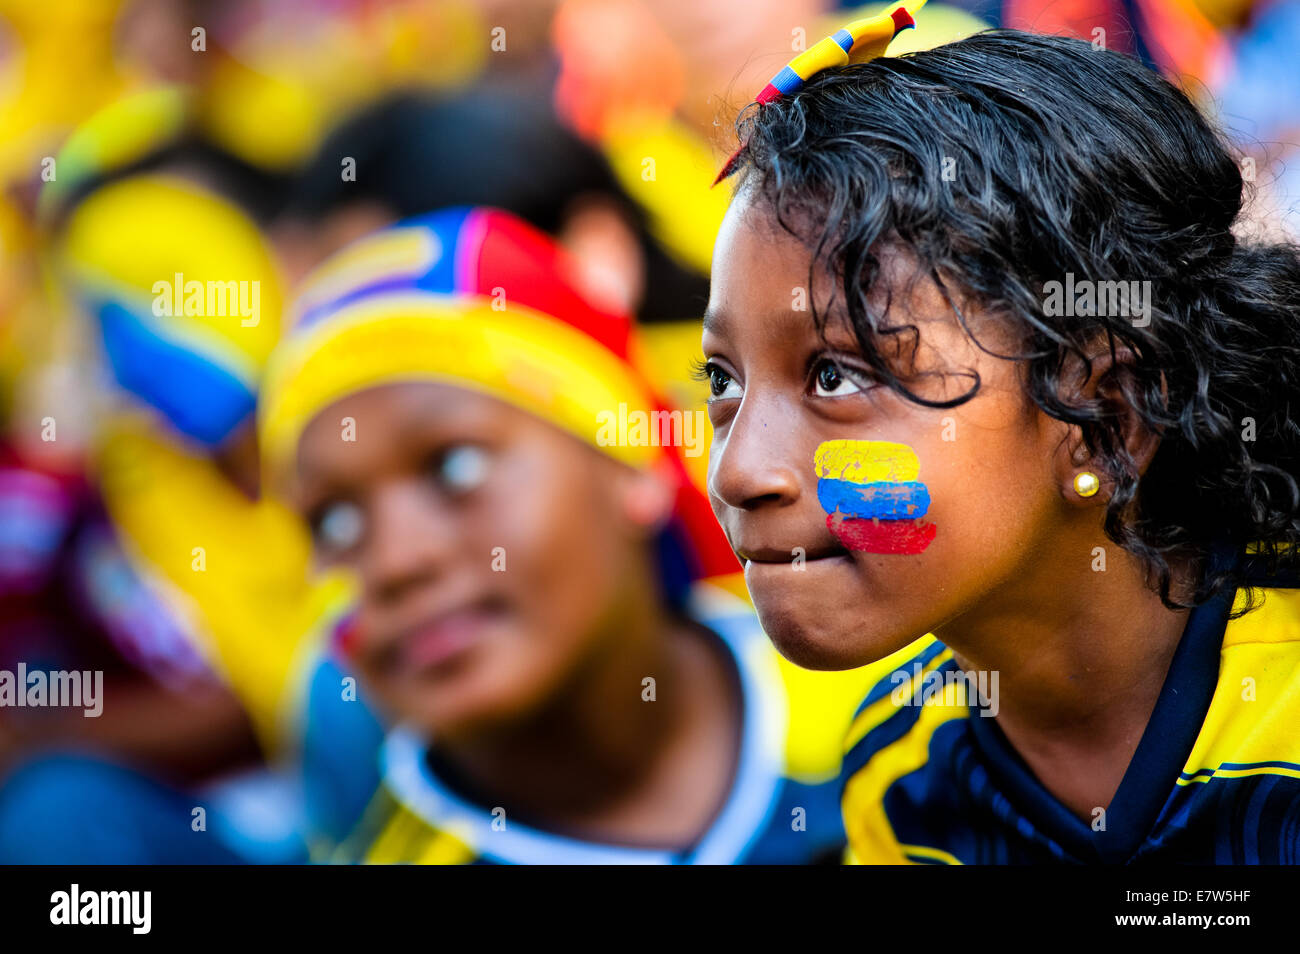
[(782, 807), (1215, 778)]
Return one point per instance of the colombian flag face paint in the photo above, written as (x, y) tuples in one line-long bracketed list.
[(873, 500)]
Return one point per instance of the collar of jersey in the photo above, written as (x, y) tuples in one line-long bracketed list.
[(745, 813), (1160, 756)]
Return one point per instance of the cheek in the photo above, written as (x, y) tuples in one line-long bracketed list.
[(873, 496), (715, 455), (930, 526), (993, 490), (374, 668), (554, 530), (987, 518), (968, 483)]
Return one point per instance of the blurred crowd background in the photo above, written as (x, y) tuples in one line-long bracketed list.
[(156, 137)]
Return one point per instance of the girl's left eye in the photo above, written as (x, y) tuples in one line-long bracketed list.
[(831, 379)]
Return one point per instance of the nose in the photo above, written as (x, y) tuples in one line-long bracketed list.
[(754, 463), (410, 540)]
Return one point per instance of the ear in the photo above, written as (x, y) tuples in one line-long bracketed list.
[(608, 258), (1108, 386)]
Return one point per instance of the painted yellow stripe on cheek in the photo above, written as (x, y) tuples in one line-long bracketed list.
[(866, 461)]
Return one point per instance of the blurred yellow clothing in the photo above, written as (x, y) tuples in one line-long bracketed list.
[(130, 238), (121, 133), (17, 288), (271, 98), (1225, 13), (184, 294), (936, 25), (61, 69), (240, 568), (669, 170)]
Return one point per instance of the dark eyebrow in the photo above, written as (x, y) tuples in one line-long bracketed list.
[(715, 321)]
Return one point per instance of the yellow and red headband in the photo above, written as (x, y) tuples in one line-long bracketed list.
[(468, 296)]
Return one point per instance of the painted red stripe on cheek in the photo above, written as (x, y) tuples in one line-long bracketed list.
[(881, 536)]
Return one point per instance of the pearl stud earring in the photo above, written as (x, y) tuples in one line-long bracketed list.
[(1086, 483)]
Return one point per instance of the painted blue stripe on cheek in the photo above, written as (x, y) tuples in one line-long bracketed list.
[(885, 500)]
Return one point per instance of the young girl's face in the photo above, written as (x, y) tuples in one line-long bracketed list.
[(490, 549), (865, 520)]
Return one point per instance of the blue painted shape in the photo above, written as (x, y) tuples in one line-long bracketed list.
[(883, 499)]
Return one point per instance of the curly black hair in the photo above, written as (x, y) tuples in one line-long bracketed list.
[(1006, 161)]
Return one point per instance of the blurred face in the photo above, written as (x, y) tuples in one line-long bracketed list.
[(865, 520), (493, 550)]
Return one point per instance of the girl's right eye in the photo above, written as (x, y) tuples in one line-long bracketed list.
[(462, 468), (338, 527)]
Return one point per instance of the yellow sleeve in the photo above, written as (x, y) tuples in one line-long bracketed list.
[(669, 170), (239, 569)]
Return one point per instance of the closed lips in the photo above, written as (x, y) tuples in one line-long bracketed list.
[(786, 554)]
